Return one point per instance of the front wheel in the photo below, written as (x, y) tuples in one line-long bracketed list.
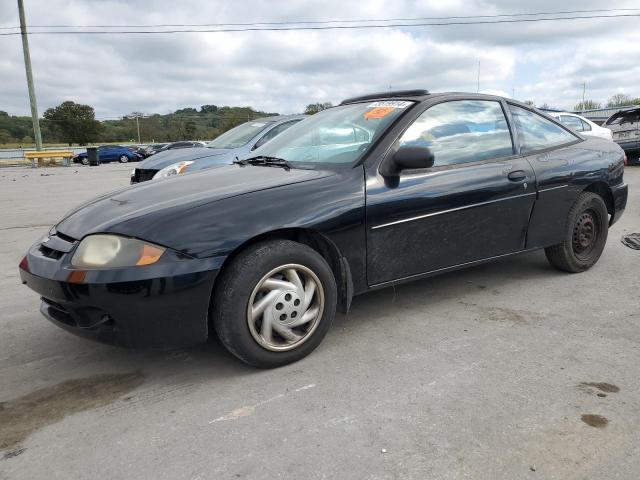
[(274, 303), (585, 235), (124, 159)]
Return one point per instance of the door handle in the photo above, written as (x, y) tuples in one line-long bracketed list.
[(517, 176)]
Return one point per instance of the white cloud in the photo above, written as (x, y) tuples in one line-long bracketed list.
[(283, 71)]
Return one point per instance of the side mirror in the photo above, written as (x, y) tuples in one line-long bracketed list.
[(408, 158)]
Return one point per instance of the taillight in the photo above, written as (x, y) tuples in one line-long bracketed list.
[(626, 160), (24, 264)]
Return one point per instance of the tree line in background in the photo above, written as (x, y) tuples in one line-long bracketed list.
[(72, 123), (618, 100)]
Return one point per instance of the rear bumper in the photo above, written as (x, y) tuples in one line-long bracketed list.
[(620, 194)]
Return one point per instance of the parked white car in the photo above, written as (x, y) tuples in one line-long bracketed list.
[(582, 125)]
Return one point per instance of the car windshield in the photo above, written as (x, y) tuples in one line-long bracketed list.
[(336, 136), (239, 136)]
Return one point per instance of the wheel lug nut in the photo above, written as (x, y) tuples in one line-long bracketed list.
[(279, 306), (283, 317), (287, 297), (296, 302), (294, 314)]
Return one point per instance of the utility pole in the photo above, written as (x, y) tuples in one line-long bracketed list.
[(27, 66), (478, 91), (138, 126)]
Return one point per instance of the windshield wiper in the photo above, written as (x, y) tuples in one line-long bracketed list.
[(265, 161)]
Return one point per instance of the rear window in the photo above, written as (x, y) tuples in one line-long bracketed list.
[(536, 132)]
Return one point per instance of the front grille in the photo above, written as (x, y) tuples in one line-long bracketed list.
[(57, 245), (50, 252), (144, 174), (64, 237)]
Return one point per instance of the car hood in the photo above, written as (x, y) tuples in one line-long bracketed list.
[(138, 210), (169, 157)]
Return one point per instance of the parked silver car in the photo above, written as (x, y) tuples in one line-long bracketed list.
[(235, 144)]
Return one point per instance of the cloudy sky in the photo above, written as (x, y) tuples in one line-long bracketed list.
[(546, 62)]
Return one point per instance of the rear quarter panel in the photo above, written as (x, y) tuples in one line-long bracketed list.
[(561, 175)]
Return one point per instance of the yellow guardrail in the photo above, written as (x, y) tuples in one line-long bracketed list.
[(48, 157)]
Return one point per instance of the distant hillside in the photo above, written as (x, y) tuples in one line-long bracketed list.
[(204, 123)]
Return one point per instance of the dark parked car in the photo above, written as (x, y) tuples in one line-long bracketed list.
[(382, 189), (141, 150), (178, 145), (237, 143), (154, 148), (110, 153), (625, 126)]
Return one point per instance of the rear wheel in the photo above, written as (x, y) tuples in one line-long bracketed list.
[(85, 161), (585, 235), (274, 303), (124, 159)]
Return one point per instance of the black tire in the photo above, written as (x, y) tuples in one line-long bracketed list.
[(85, 161), (234, 288), (585, 235), (124, 159)]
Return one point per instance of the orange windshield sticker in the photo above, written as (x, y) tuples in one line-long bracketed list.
[(378, 112)]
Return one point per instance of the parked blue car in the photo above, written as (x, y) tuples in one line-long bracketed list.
[(110, 153), (234, 144)]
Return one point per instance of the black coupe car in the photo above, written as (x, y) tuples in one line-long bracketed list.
[(381, 189)]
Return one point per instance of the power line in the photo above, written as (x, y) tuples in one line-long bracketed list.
[(320, 22), (318, 28)]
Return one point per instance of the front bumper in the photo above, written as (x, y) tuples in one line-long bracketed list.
[(620, 194), (136, 307)]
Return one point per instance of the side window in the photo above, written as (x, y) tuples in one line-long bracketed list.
[(536, 132), (572, 122), (585, 126), (462, 131), (274, 132)]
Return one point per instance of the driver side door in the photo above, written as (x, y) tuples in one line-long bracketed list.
[(473, 204)]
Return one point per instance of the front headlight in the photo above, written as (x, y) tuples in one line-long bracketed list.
[(111, 251), (174, 169)]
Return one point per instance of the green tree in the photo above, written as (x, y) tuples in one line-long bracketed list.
[(587, 105), (620, 100), (76, 123), (186, 111), (190, 129), (313, 108), (208, 109)]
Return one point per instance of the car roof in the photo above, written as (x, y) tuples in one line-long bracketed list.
[(421, 95)]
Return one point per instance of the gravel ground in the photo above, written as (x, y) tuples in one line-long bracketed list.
[(504, 371)]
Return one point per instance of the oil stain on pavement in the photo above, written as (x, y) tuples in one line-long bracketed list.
[(597, 421), (22, 416)]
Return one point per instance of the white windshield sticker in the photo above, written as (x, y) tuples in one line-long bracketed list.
[(390, 103), (258, 124)]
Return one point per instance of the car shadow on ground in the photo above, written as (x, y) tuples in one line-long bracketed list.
[(211, 361)]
